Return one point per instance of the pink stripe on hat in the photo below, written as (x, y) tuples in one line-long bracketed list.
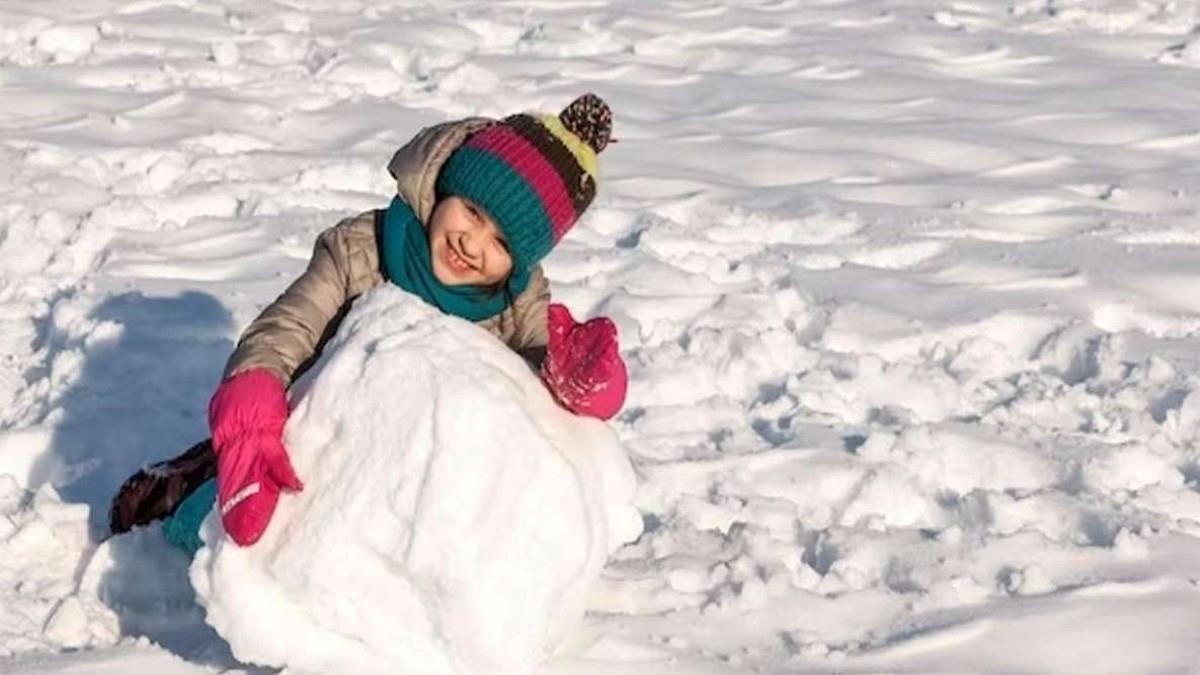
[(534, 168)]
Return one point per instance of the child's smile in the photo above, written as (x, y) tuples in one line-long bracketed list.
[(455, 261), (466, 246)]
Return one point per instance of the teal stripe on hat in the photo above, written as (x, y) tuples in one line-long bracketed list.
[(512, 203)]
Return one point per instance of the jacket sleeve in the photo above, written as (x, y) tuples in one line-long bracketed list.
[(529, 312), (286, 334)]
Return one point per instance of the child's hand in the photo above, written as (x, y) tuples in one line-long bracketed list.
[(246, 416), (583, 367)]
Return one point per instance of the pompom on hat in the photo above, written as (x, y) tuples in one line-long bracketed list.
[(534, 174)]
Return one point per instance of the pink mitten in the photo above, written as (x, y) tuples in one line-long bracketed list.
[(583, 367), (246, 417)]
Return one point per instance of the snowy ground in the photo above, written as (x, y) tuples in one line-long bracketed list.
[(907, 290)]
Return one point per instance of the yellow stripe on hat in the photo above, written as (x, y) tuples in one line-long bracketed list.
[(584, 154)]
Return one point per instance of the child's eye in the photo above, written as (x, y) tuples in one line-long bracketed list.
[(473, 211)]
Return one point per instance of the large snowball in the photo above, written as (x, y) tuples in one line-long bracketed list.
[(452, 519)]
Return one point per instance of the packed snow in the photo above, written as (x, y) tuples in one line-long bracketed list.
[(906, 289), (453, 517)]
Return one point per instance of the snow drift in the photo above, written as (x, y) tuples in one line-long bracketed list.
[(453, 516)]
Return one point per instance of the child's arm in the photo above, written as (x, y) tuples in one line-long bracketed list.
[(579, 362), (248, 412), (287, 333), (529, 311)]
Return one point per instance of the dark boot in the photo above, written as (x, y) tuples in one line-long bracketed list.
[(154, 492)]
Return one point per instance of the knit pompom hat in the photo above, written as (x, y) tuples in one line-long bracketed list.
[(533, 174)]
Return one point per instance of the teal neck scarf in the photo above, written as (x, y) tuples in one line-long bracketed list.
[(404, 257)]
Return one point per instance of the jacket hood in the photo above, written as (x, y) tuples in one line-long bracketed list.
[(415, 166)]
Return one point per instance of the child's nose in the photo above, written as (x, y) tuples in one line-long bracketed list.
[(472, 244)]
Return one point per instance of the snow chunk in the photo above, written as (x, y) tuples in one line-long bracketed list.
[(225, 53), (1190, 53), (1131, 467), (42, 541), (453, 516), (67, 44)]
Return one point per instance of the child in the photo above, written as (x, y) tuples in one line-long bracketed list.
[(480, 202)]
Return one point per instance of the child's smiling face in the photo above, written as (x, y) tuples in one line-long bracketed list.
[(466, 246)]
